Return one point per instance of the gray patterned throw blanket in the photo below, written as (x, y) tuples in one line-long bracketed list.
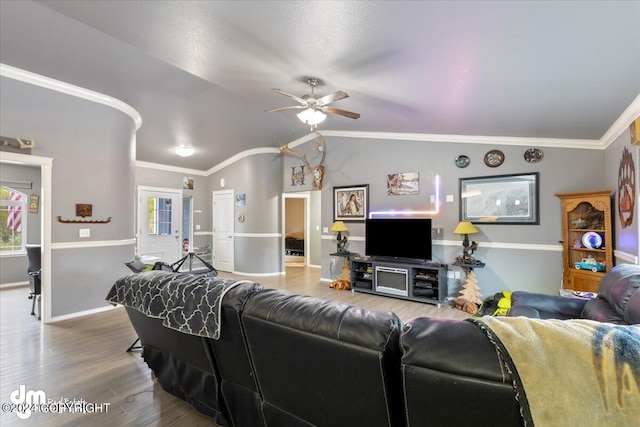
[(187, 303), (570, 372)]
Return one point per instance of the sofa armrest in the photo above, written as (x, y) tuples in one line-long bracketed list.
[(543, 306)]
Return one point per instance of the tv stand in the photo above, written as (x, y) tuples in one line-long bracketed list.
[(425, 281)]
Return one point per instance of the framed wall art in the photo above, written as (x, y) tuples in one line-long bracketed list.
[(501, 199), (399, 184), (351, 203), (34, 203), (187, 182)]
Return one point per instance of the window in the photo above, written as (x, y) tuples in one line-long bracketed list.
[(159, 216), (13, 220)]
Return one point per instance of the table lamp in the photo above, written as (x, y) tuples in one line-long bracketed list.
[(466, 228), (342, 241)]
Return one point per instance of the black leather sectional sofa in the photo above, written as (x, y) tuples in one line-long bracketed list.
[(285, 359)]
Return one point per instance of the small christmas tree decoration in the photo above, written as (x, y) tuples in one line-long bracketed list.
[(470, 290)]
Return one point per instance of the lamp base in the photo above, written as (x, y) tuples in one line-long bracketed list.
[(342, 242)]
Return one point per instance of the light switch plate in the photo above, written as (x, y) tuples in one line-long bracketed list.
[(85, 232)]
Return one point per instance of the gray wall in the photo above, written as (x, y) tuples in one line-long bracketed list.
[(353, 161), (260, 178), (315, 232), (627, 237), (93, 150), (517, 257), (13, 268)]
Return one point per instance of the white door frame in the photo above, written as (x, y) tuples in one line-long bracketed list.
[(46, 190), (306, 195), (213, 226), (140, 188)]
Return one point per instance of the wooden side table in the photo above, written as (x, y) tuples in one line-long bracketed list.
[(469, 266)]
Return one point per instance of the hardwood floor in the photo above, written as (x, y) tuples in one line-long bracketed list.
[(85, 358)]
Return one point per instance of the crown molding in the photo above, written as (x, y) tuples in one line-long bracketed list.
[(622, 123), (471, 139), (242, 155), (590, 144), (69, 89), (169, 168)]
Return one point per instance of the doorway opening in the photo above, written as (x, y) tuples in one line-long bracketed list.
[(296, 229)]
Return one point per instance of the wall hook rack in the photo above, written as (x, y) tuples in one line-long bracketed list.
[(83, 221)]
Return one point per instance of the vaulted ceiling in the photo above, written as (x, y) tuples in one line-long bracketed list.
[(200, 73)]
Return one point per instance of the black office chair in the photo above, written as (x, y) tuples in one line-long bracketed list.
[(33, 252)]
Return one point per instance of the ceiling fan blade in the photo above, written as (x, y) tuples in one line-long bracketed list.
[(293, 107), (328, 99), (341, 112), (297, 98)]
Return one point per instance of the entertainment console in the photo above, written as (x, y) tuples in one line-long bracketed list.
[(422, 282)]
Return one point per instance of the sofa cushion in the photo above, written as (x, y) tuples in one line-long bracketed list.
[(600, 310), (543, 306), (324, 363), (330, 319), (617, 288), (632, 316)]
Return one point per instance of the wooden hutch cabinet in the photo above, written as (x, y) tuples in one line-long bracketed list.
[(587, 239)]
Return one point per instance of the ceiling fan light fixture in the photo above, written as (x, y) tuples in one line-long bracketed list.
[(312, 116), (184, 151)]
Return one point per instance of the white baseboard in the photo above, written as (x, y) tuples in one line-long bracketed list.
[(84, 313)]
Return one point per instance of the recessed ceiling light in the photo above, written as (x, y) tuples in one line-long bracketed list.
[(185, 151)]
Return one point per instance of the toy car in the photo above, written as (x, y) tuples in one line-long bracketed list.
[(589, 264)]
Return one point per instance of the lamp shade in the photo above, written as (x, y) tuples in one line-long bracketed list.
[(465, 227), (339, 226), (311, 116)]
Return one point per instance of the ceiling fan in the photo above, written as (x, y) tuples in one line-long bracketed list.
[(314, 107)]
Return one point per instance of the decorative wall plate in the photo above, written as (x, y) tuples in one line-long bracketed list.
[(462, 161), (592, 240), (494, 158), (533, 155)]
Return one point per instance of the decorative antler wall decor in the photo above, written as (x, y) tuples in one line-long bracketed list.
[(16, 145), (316, 171)]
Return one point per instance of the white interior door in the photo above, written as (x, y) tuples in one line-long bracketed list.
[(159, 224), (223, 229)]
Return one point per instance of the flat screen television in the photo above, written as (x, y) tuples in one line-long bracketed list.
[(398, 238)]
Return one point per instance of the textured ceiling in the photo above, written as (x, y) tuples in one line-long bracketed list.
[(200, 73)]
